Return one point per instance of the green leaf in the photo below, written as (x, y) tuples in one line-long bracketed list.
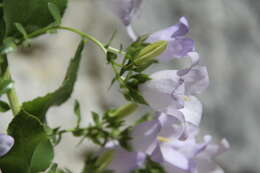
[(55, 12), (4, 107), (28, 133), (53, 168), (42, 156), (31, 14), (2, 24), (8, 46), (21, 29), (77, 112), (40, 105)]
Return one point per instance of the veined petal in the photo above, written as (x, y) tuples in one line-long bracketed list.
[(192, 110), (172, 125), (196, 80), (158, 91), (174, 157), (145, 136), (177, 30)]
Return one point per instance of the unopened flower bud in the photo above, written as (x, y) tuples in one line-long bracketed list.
[(150, 52), (124, 111)]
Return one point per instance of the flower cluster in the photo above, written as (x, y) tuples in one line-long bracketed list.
[(171, 138)]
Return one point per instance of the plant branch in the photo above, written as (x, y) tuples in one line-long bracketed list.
[(11, 94)]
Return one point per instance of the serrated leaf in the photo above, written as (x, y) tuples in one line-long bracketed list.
[(55, 12), (4, 107), (40, 105), (28, 133), (31, 14)]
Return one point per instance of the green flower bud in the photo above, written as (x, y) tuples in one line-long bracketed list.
[(150, 52), (124, 111)]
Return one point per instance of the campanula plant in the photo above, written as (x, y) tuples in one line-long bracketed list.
[(165, 141)]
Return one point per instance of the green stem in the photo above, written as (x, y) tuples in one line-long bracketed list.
[(82, 34), (11, 94)]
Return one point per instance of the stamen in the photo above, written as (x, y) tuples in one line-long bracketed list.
[(163, 139), (186, 98)]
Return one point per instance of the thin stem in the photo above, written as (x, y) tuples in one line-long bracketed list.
[(89, 37), (11, 94), (82, 34)]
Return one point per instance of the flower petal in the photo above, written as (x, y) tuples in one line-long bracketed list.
[(6, 143), (145, 136), (180, 29), (124, 161), (174, 157), (192, 110), (158, 91), (125, 9), (196, 80), (177, 48)]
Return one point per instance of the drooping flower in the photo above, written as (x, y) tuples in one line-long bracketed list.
[(125, 9), (178, 44), (189, 156), (169, 89), (176, 148), (6, 143)]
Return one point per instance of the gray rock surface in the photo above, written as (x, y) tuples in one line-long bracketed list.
[(227, 37)]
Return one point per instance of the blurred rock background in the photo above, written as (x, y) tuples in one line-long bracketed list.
[(227, 34)]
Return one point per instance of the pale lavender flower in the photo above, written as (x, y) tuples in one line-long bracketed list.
[(189, 156), (6, 143), (125, 9), (145, 134), (125, 161), (175, 147), (167, 89), (178, 44)]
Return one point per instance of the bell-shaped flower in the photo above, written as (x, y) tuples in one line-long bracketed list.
[(178, 44), (125, 9), (145, 135), (6, 143), (125, 161), (189, 156), (169, 89), (175, 146)]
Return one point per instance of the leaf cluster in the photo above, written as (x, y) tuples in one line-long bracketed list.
[(130, 74)]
